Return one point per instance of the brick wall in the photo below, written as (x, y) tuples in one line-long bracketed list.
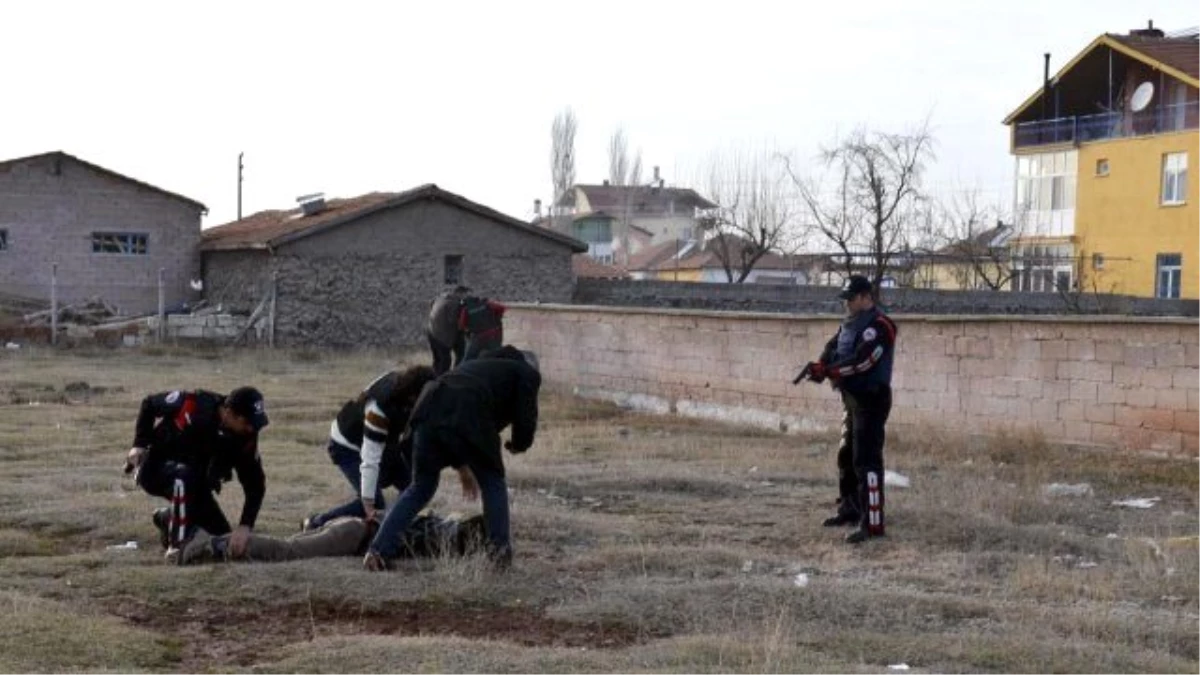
[(51, 206), (1112, 381), (370, 282), (817, 299)]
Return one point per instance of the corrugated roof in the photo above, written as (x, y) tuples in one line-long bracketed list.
[(108, 172), (269, 229), (1182, 53)]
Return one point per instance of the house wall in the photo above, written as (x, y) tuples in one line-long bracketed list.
[(370, 282), (50, 206), (1130, 384), (1121, 215)]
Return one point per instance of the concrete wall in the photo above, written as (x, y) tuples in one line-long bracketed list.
[(370, 282), (817, 299), (1112, 381), (50, 207)]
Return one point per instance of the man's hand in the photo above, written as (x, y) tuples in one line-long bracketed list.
[(369, 510), (238, 541), (135, 458), (470, 486)]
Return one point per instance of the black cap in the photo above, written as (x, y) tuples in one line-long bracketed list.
[(855, 285), (247, 402)]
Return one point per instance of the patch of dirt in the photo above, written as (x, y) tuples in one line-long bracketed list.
[(211, 635)]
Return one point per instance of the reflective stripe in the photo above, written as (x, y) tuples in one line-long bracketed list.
[(335, 435)]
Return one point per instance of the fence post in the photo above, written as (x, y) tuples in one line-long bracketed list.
[(271, 310), (162, 308), (53, 304)]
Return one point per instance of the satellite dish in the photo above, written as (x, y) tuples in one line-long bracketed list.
[(1141, 96)]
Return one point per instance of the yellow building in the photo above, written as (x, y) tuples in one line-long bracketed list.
[(1106, 181)]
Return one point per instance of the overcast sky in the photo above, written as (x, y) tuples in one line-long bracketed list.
[(352, 97)]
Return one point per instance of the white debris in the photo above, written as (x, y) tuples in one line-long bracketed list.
[(12, 345), (898, 666), (896, 480), (1113, 535), (801, 580), (1138, 503), (127, 546), (1087, 565), (1068, 490), (748, 566), (754, 469), (590, 500)]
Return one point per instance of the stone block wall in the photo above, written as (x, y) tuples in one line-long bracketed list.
[(1113, 381)]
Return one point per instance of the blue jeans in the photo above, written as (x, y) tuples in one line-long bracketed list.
[(349, 462), (431, 454)]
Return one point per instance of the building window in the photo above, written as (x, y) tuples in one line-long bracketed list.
[(1102, 167), (1043, 269), (1174, 178), (1045, 193), (119, 243), (3, 240), (1170, 272), (452, 269)]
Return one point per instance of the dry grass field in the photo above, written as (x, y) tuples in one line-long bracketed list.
[(643, 544)]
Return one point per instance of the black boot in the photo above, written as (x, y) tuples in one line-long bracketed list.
[(840, 519), (162, 520)]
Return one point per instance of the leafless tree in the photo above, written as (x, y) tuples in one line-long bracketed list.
[(562, 154), (626, 172), (869, 197), (754, 214), (974, 241)]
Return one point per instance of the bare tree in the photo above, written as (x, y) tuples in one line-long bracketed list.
[(627, 172), (753, 215), (874, 196), (974, 241), (562, 155)]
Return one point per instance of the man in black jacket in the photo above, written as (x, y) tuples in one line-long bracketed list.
[(858, 362), (186, 444), (457, 423)]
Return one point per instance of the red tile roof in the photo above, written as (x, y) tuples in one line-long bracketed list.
[(269, 229), (585, 267)]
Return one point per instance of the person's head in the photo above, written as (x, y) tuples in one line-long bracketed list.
[(244, 412), (411, 382), (856, 293), (513, 354)]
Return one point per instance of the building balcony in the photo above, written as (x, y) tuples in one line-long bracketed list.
[(1103, 126)]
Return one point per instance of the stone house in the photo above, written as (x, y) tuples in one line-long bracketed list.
[(108, 233), (363, 270)]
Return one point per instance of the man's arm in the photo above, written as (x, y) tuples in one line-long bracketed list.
[(525, 425), (254, 481), (375, 433), (830, 350), (877, 338), (154, 407)]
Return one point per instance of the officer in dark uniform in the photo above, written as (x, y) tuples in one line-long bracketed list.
[(457, 423), (858, 363), (186, 444), (482, 320), (364, 442)]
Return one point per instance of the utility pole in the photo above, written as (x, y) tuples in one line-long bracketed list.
[(240, 167)]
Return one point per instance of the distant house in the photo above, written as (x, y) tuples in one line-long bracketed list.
[(981, 262), (587, 267), (621, 220), (695, 261), (363, 270), (109, 234)]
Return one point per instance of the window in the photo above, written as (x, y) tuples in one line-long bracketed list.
[(1174, 178), (1102, 167), (452, 269), (119, 243), (3, 240), (1170, 271), (1043, 269), (1045, 192)]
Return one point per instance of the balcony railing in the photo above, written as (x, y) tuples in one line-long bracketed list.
[(1084, 128)]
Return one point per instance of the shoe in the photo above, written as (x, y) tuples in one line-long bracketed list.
[(373, 562), (860, 535), (173, 556), (198, 550), (309, 524), (840, 519), (162, 520)]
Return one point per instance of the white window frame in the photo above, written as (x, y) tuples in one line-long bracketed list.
[(1174, 273), (1174, 179)]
